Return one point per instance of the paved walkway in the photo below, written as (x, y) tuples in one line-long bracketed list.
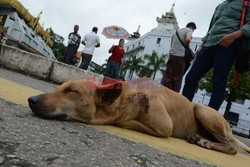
[(18, 93)]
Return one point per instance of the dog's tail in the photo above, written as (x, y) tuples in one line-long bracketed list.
[(240, 144)]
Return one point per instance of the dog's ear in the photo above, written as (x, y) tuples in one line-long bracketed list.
[(109, 93)]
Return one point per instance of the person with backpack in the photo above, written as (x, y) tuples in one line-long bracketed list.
[(177, 65)]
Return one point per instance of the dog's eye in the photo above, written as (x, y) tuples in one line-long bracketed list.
[(69, 90), (75, 91)]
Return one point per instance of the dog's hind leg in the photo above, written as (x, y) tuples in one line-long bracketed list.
[(215, 125), (205, 143)]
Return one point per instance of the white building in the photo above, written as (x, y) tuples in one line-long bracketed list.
[(24, 31), (158, 39)]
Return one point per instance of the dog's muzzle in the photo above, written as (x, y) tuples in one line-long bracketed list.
[(40, 109)]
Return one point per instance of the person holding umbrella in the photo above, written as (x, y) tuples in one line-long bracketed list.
[(115, 60)]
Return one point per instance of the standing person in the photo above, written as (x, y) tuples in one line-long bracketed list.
[(91, 41), (115, 60), (74, 40), (176, 63), (217, 51)]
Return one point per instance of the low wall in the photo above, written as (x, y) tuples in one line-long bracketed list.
[(36, 65)]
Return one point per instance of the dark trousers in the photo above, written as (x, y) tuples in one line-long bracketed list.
[(113, 68), (70, 54), (86, 59), (221, 59), (174, 73)]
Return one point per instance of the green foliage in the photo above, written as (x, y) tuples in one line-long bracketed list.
[(149, 69), (133, 64), (242, 91), (154, 64), (145, 71), (104, 67), (58, 47)]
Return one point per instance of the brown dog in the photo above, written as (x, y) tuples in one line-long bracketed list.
[(142, 105)]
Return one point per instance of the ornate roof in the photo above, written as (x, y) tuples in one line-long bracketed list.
[(136, 34), (168, 17)]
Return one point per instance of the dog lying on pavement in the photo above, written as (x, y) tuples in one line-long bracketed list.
[(142, 105)]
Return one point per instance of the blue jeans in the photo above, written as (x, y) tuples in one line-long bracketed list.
[(221, 59)]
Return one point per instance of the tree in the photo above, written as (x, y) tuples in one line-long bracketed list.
[(133, 64), (58, 47), (104, 67), (124, 68), (240, 91), (155, 63), (145, 71)]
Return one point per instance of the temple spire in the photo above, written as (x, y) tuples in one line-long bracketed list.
[(36, 21), (138, 29), (136, 34), (172, 9), (168, 21)]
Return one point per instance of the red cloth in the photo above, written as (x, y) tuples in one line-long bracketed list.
[(117, 54)]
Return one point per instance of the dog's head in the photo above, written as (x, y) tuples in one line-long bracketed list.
[(76, 100)]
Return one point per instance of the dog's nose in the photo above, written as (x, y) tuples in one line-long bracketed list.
[(33, 99)]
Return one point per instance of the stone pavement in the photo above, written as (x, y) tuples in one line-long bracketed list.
[(26, 140)]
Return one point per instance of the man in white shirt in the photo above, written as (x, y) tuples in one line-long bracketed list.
[(91, 41)]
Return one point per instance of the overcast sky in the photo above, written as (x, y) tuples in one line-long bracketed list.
[(62, 15)]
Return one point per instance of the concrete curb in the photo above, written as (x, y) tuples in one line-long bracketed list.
[(36, 65)]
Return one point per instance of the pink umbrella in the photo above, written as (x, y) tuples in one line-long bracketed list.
[(115, 32)]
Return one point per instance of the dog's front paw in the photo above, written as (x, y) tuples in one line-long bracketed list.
[(204, 143), (193, 138)]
